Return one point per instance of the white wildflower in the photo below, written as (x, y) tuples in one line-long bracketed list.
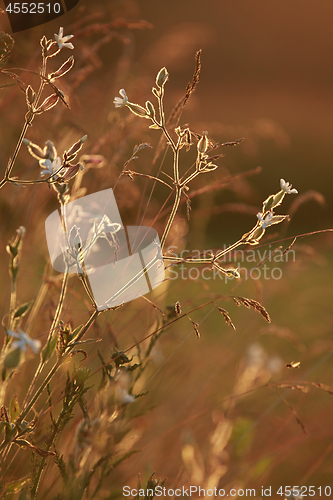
[(123, 397), (23, 341), (62, 40), (270, 219), (286, 187), (75, 241), (21, 231), (105, 226), (49, 166), (119, 102)]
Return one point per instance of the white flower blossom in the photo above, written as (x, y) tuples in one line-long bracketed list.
[(50, 166), (62, 40), (286, 187), (270, 219), (105, 226), (124, 398), (21, 231), (119, 102), (23, 341)]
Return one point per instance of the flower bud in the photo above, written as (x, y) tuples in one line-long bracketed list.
[(70, 172), (50, 151), (97, 161), (203, 143), (253, 237), (150, 109), (43, 43), (232, 272), (162, 77), (12, 360), (209, 167), (52, 48), (49, 103), (30, 96), (21, 231), (63, 69), (72, 152), (156, 92), (34, 150), (137, 110), (273, 201)]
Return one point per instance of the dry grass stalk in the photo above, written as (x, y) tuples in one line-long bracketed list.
[(227, 318), (254, 304)]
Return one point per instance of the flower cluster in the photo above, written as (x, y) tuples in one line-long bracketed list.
[(52, 166)]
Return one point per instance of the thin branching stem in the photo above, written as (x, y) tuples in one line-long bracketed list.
[(28, 121), (55, 367)]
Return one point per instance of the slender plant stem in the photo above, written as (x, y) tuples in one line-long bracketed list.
[(12, 304), (55, 367), (34, 491), (13, 158), (60, 305), (51, 332), (175, 149), (172, 216), (205, 260), (28, 121)]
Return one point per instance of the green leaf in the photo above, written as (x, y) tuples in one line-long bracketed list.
[(16, 486), (87, 341), (12, 359), (49, 349), (81, 375), (22, 310), (76, 332), (10, 431), (14, 409), (2, 426)]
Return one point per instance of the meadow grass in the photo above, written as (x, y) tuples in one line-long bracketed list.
[(77, 419)]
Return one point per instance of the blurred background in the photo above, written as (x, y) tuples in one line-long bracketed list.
[(266, 77)]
